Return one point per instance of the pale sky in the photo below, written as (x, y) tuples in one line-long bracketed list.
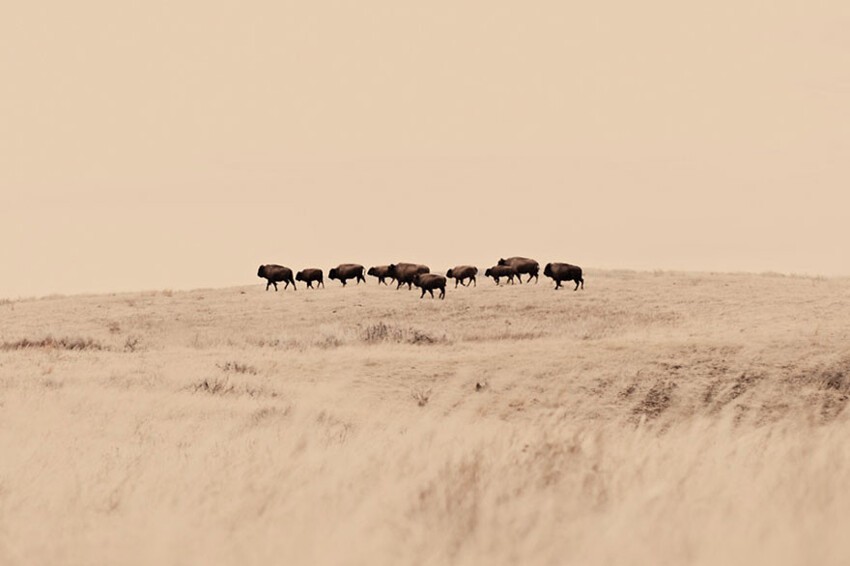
[(162, 144)]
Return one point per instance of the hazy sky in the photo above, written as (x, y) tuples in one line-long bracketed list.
[(151, 145)]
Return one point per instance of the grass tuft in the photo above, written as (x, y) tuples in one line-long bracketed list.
[(236, 367), (223, 386), (51, 343), (382, 332)]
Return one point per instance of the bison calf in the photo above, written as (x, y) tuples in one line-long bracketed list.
[(564, 272), (308, 276), (462, 272), (382, 272), (429, 282), (347, 271), (274, 273), (499, 271)]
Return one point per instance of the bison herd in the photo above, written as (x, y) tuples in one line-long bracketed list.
[(411, 274)]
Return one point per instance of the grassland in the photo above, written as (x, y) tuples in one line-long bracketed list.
[(653, 418)]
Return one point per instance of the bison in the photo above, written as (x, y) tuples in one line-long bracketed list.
[(403, 273), (310, 275), (346, 271), (499, 271), (429, 282), (523, 265), (462, 272), (564, 272), (273, 273), (381, 272)]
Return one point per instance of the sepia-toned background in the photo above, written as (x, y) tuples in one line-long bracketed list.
[(178, 145)]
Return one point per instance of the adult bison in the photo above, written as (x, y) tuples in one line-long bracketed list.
[(461, 272), (403, 273), (564, 272), (429, 282), (310, 275), (346, 271), (523, 265), (274, 273), (499, 271), (382, 272)]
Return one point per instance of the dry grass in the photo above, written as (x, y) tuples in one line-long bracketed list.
[(51, 343), (654, 418), (383, 332)]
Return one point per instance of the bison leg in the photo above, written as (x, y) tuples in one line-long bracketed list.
[(431, 292), (275, 286), (442, 292), (423, 293), (294, 288)]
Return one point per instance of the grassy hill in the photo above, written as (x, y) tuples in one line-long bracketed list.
[(653, 418)]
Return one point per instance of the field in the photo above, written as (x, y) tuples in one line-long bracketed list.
[(653, 418)]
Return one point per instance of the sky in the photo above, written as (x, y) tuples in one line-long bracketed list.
[(170, 145)]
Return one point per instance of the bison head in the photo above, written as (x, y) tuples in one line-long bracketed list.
[(449, 273), (547, 271), (391, 269), (503, 261), (416, 278), (262, 271), (299, 276), (372, 271), (488, 272), (333, 273)]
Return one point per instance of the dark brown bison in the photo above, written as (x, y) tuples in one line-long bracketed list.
[(274, 273), (523, 265), (346, 271), (462, 272), (499, 271), (310, 275), (382, 272), (403, 273), (429, 282), (564, 272)]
